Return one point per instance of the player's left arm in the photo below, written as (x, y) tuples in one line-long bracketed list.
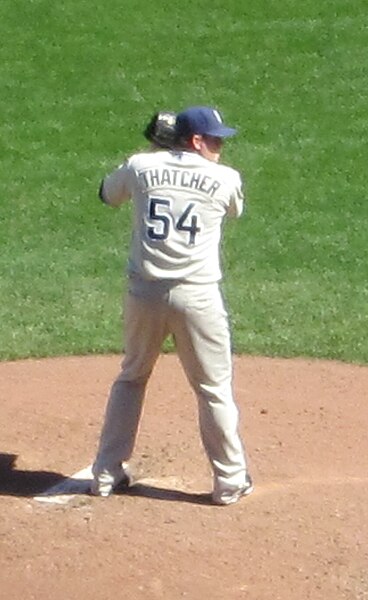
[(237, 197)]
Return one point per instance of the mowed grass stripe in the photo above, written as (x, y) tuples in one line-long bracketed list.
[(80, 80)]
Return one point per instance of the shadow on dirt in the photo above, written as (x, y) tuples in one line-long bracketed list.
[(165, 494), (24, 484), (28, 484)]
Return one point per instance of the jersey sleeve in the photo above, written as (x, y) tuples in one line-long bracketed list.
[(237, 197), (116, 188)]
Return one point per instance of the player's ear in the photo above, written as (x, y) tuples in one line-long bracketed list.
[(196, 142)]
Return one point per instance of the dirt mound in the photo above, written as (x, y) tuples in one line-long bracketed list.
[(302, 534)]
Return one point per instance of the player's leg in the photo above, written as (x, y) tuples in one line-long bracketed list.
[(201, 330), (145, 329)]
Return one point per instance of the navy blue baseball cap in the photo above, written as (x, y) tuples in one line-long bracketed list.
[(202, 120)]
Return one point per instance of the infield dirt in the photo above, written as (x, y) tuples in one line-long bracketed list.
[(302, 534)]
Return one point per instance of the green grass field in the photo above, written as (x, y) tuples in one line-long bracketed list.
[(79, 81)]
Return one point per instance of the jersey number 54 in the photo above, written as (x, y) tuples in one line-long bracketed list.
[(187, 222)]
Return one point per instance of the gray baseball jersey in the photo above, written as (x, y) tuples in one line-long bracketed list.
[(180, 202)]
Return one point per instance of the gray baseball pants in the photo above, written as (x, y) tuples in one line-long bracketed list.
[(196, 317)]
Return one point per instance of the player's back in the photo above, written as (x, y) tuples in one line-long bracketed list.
[(180, 201)]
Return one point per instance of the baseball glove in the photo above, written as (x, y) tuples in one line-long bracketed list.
[(161, 129)]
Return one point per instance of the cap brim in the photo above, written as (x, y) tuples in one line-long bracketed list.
[(221, 132)]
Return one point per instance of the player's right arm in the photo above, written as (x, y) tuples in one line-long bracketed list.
[(116, 188)]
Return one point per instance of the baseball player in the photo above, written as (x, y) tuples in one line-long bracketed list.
[(180, 199)]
